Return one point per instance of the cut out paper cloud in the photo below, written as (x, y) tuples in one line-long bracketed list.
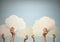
[(44, 22), (16, 22), (23, 32), (4, 30)]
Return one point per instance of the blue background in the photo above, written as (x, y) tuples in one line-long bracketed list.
[(30, 10)]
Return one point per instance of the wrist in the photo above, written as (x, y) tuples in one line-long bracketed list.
[(3, 39), (44, 36), (33, 38)]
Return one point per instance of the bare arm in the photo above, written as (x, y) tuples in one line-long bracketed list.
[(26, 38), (3, 40), (45, 31), (44, 38), (53, 40), (3, 37), (33, 38), (54, 37), (13, 34), (12, 39)]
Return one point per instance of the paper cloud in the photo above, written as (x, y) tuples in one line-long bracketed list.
[(16, 22), (44, 22), (23, 32), (4, 29)]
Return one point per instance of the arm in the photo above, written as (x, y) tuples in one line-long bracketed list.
[(26, 38), (54, 37), (45, 31), (13, 34), (3, 37), (12, 38), (33, 38), (44, 38), (4, 40)]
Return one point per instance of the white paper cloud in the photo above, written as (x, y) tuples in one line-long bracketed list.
[(16, 22), (23, 32), (44, 22), (4, 29)]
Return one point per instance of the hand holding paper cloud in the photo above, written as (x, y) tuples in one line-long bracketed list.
[(44, 22), (16, 22)]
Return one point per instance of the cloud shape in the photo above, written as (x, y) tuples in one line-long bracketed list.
[(4, 29), (23, 32), (16, 22), (44, 22)]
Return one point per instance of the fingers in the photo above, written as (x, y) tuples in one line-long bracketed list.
[(3, 36), (54, 36), (45, 31), (32, 36), (26, 37), (12, 30)]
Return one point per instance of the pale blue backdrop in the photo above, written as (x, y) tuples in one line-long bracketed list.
[(30, 10)]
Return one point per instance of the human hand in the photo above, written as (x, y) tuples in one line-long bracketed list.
[(12, 30), (26, 37), (45, 31), (3, 36), (54, 36), (32, 36)]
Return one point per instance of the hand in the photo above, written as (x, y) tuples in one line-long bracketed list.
[(32, 36), (3, 37), (54, 36), (26, 37), (45, 31), (12, 30)]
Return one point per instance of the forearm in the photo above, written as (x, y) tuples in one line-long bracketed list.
[(44, 38), (24, 40), (4, 40), (33, 40), (53, 39), (12, 39)]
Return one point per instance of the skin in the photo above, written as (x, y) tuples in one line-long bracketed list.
[(54, 37), (13, 34), (45, 31), (26, 38), (3, 37), (33, 38)]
